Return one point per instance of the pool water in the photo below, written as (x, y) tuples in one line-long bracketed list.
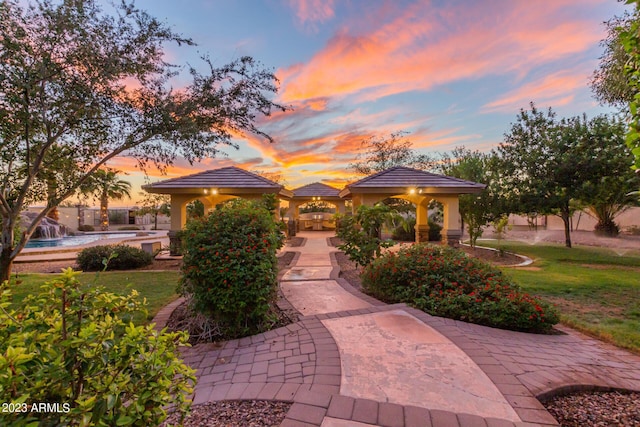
[(75, 240)]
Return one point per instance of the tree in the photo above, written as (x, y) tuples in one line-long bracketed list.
[(155, 204), (539, 166), (609, 182), (380, 153), (630, 39), (552, 167), (105, 185), (610, 83), (93, 85), (476, 210)]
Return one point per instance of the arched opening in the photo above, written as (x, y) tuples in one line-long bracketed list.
[(317, 215)]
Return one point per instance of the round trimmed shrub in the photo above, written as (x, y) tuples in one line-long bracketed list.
[(116, 257), (230, 267), (443, 281)]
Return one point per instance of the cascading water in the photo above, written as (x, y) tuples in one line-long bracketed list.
[(47, 229)]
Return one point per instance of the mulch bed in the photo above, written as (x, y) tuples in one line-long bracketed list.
[(202, 331), (294, 242)]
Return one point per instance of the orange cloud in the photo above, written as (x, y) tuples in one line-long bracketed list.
[(420, 48)]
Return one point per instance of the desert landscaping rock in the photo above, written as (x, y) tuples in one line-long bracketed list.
[(596, 409), (234, 413)]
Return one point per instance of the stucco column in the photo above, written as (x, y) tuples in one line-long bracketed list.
[(422, 221), (178, 221), (293, 214), (451, 228), (356, 201)]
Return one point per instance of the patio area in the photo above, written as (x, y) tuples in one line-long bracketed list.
[(354, 361)]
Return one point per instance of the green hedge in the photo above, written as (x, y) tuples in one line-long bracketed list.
[(443, 281), (117, 257), (230, 266)]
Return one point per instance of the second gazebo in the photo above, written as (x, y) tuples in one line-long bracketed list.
[(420, 188)]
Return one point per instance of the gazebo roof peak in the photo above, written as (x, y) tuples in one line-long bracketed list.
[(227, 177), (399, 178), (230, 177), (316, 189)]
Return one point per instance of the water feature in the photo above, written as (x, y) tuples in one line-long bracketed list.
[(47, 229)]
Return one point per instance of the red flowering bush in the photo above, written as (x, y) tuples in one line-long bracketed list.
[(230, 266), (443, 281)]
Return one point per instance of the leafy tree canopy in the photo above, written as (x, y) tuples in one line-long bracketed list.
[(610, 83), (476, 210), (384, 152), (630, 40), (546, 164), (79, 86)]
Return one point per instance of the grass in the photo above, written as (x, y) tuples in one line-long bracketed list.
[(597, 290), (159, 288)]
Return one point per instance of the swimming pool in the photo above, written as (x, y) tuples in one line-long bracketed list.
[(75, 240)]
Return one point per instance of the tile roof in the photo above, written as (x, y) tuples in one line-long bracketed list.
[(228, 177), (401, 177), (316, 189)]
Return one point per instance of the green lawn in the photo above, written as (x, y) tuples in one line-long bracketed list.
[(159, 288), (597, 290)]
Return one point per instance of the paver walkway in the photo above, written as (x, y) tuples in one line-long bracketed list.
[(354, 361)]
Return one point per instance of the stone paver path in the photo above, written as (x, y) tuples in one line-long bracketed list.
[(354, 361)]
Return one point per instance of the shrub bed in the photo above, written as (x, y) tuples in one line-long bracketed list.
[(443, 281), (77, 351), (116, 257), (230, 266), (407, 233)]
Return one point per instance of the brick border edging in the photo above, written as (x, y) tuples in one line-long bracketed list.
[(162, 316), (293, 262)]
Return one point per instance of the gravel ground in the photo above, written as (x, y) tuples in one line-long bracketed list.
[(235, 413), (596, 409)]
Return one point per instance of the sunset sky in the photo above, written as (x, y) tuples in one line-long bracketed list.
[(449, 72)]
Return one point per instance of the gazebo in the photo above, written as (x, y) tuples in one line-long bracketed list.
[(315, 192), (211, 188), (420, 188)]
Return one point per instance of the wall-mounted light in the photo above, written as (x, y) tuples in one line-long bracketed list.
[(206, 191), (412, 191), (214, 191)]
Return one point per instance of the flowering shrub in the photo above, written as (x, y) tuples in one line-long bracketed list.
[(230, 266), (445, 282), (77, 352)]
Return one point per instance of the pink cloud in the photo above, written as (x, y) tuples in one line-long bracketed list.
[(312, 11), (420, 47), (553, 90)]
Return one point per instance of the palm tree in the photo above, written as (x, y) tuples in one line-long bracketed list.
[(105, 185)]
